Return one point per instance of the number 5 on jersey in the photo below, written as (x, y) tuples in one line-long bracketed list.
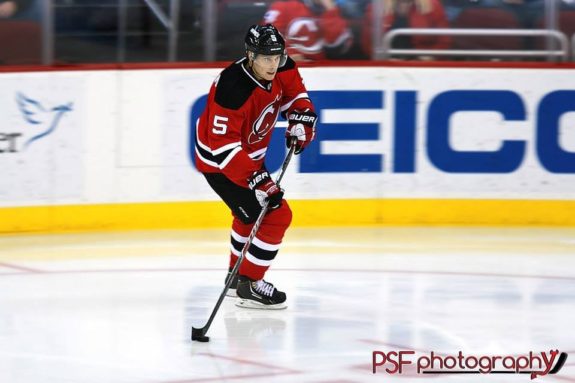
[(220, 126)]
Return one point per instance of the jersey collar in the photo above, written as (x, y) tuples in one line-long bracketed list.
[(247, 72)]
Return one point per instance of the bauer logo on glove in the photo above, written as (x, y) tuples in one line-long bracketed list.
[(258, 178), (294, 117), (265, 189), (301, 126)]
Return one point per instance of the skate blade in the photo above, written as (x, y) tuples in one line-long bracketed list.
[(249, 304), (231, 293)]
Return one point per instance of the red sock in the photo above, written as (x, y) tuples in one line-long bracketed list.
[(265, 245)]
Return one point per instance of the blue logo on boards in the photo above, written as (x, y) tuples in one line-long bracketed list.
[(41, 122), (507, 158), (35, 114)]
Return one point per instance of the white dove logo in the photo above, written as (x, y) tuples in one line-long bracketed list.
[(34, 113)]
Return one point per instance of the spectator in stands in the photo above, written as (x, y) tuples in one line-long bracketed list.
[(11, 8), (20, 34), (527, 11), (313, 29), (408, 14), (530, 14), (352, 9)]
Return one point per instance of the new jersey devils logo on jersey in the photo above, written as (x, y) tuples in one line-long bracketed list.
[(265, 122), (303, 34)]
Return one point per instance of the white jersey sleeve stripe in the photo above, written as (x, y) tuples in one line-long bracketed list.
[(224, 148), (287, 106), (230, 156), (258, 153), (205, 160)]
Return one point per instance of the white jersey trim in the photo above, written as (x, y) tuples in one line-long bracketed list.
[(217, 151), (230, 156), (258, 154), (250, 75), (205, 160), (235, 147), (225, 148), (289, 104)]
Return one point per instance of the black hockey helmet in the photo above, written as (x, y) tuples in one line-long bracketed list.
[(266, 40)]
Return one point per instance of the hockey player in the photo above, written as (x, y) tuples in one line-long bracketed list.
[(314, 29), (232, 136)]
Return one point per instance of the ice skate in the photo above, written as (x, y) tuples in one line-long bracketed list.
[(259, 295)]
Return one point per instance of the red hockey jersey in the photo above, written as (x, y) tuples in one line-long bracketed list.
[(306, 33), (234, 131)]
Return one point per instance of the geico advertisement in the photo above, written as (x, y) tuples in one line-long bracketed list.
[(458, 133), (97, 137)]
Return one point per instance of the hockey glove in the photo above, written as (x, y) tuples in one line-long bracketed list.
[(301, 125), (265, 189)]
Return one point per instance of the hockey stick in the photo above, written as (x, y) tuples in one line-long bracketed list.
[(199, 334)]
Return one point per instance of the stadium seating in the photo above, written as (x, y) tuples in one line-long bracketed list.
[(486, 18), (21, 42)]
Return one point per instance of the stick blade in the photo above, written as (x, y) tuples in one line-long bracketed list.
[(198, 335)]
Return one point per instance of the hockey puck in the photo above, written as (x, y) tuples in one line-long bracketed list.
[(198, 335)]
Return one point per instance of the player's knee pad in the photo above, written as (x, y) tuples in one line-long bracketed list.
[(280, 217), (240, 228), (275, 224)]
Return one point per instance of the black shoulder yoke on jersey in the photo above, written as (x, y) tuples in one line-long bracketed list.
[(234, 87), (290, 64)]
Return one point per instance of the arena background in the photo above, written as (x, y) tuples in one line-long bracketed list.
[(433, 213), (109, 148)]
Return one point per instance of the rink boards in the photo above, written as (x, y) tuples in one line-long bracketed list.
[(113, 149)]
